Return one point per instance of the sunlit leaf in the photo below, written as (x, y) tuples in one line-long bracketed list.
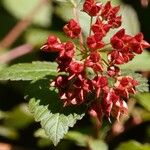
[(55, 125), (28, 71), (49, 111)]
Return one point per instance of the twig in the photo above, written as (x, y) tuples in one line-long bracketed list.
[(15, 53), (17, 30)]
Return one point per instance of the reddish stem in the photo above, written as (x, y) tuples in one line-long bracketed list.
[(20, 27), (15, 53)]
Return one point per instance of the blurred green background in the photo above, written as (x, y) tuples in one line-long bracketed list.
[(25, 26)]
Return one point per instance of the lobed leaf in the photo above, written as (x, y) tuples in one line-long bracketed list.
[(55, 125), (28, 71), (47, 109)]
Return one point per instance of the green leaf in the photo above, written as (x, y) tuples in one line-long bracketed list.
[(49, 111), (97, 145), (55, 125), (43, 140), (133, 145), (21, 8), (8, 132), (28, 71), (144, 100), (143, 82), (40, 133), (139, 63), (2, 66), (2, 115), (19, 117), (77, 137), (42, 143)]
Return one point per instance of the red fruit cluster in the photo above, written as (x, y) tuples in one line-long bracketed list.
[(91, 79), (125, 47)]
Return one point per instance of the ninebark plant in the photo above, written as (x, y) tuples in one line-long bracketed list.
[(89, 83)]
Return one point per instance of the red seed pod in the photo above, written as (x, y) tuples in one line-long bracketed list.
[(99, 83), (76, 67), (113, 71), (53, 44), (126, 85), (68, 51), (72, 29), (137, 43), (117, 43), (109, 12), (94, 42), (91, 7), (115, 22), (94, 61), (100, 28), (116, 57)]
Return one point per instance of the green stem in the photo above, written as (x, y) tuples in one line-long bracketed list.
[(73, 3), (90, 25)]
